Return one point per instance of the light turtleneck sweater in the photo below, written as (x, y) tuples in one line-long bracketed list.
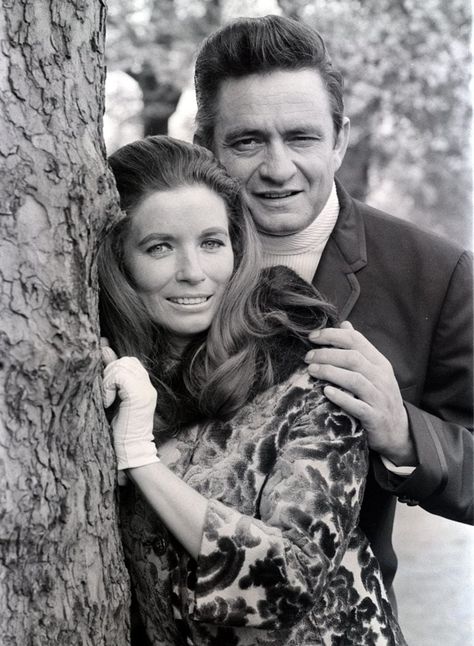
[(302, 251)]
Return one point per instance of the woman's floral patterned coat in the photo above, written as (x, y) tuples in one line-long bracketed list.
[(282, 559)]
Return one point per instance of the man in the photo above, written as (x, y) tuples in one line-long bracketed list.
[(270, 106)]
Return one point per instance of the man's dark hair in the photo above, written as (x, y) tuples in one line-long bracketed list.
[(258, 46)]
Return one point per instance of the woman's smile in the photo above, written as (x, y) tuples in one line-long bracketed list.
[(189, 300)]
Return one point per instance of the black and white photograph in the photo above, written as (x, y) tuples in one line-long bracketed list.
[(236, 325)]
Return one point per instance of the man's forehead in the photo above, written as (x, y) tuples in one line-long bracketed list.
[(257, 101), (240, 122)]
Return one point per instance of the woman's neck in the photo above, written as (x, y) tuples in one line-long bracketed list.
[(177, 345)]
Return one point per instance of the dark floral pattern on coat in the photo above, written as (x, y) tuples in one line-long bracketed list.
[(282, 559)]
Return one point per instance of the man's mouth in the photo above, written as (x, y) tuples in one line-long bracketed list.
[(189, 300), (276, 195)]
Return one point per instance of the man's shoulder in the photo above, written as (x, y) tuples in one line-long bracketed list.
[(386, 231)]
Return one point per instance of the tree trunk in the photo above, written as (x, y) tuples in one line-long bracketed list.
[(62, 575)]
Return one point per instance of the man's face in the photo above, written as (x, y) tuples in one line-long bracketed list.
[(274, 133)]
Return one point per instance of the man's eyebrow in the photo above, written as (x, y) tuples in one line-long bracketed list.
[(236, 132), (304, 128)]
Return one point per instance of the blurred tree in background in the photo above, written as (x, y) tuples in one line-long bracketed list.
[(406, 66), (407, 70), (154, 41)]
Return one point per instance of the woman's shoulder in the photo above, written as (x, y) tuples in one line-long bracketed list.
[(300, 400), (292, 308), (281, 288)]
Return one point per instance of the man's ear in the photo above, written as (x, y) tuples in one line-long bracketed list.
[(341, 144)]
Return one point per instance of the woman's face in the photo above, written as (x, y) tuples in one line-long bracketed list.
[(179, 255)]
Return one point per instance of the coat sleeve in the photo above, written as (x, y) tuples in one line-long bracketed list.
[(441, 427), (269, 571)]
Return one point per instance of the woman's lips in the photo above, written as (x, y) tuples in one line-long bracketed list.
[(188, 300)]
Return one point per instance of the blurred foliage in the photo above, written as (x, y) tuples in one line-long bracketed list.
[(154, 41), (406, 65), (162, 33), (407, 68)]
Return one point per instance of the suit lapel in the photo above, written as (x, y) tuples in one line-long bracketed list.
[(344, 255)]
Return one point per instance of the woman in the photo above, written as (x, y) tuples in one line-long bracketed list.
[(241, 528)]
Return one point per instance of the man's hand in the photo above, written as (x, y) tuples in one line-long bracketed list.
[(369, 389)]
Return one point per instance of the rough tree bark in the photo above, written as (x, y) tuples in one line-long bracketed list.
[(62, 575)]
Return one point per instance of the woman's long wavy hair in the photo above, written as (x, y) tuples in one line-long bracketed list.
[(224, 367)]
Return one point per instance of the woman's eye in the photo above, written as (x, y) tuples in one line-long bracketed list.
[(212, 244), (158, 248)]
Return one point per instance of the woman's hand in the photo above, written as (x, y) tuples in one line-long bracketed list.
[(133, 424), (180, 507)]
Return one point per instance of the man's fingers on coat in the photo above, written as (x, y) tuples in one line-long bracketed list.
[(349, 404), (348, 339), (342, 338), (355, 383), (346, 325), (348, 359)]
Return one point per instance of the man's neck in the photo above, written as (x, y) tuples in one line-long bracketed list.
[(302, 251), (319, 229)]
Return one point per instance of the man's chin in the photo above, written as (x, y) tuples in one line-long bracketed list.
[(276, 234), (279, 227), (279, 222)]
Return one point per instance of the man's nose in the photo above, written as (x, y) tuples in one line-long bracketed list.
[(189, 268), (278, 166)]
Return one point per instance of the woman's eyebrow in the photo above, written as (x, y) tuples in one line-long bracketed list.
[(214, 231), (164, 237)]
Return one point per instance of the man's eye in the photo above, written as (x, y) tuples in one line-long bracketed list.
[(304, 139), (246, 143), (212, 244)]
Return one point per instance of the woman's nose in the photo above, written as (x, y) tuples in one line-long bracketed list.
[(189, 268)]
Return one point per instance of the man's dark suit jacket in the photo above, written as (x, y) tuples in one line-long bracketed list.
[(410, 293)]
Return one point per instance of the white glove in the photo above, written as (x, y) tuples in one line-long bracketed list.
[(133, 424)]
